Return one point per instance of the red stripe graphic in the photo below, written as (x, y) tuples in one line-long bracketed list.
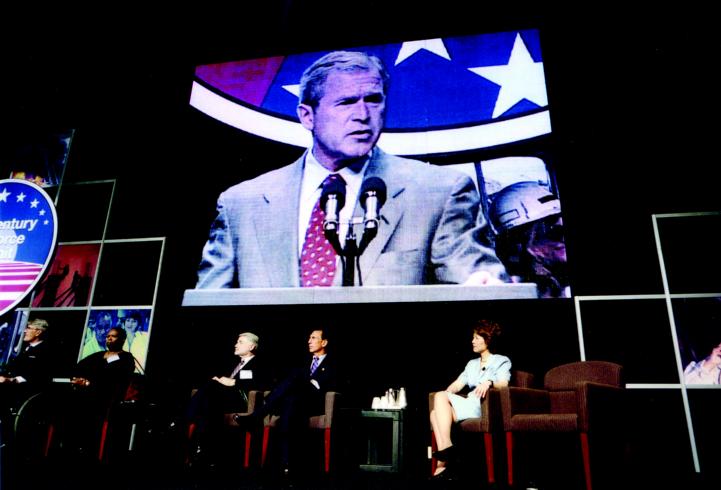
[(11, 273), (16, 288)]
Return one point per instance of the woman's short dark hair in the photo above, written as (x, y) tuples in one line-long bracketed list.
[(487, 329)]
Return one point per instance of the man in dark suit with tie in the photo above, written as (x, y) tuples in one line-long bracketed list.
[(299, 396), (224, 394), (29, 371)]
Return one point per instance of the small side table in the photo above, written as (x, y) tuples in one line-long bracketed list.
[(383, 433)]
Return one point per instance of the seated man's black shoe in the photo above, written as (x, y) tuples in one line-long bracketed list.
[(196, 455), (202, 459), (248, 420), (287, 478)]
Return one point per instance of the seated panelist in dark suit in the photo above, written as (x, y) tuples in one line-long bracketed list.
[(301, 395), (226, 394), (430, 228), (30, 371), (251, 373)]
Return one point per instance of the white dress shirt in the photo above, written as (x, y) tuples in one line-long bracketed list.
[(310, 190)]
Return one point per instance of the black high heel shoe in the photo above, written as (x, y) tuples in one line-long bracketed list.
[(445, 475), (445, 454)]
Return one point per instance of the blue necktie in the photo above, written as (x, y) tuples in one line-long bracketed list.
[(314, 365)]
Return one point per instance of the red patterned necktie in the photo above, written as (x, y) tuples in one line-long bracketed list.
[(317, 258)]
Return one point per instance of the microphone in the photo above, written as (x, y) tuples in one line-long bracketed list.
[(332, 200), (372, 198)]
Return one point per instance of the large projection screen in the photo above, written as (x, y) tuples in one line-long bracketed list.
[(474, 104)]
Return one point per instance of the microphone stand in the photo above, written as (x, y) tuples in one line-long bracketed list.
[(352, 251)]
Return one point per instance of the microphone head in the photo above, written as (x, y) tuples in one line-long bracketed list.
[(335, 187), (373, 185)]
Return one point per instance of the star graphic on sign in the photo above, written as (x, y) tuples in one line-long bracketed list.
[(34, 203), (4, 195), (293, 89), (46, 222), (42, 212), (410, 48), (522, 78), (21, 197)]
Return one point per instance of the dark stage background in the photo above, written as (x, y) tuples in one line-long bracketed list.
[(630, 95)]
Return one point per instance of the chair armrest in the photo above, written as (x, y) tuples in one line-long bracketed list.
[(522, 379), (491, 412), (255, 398), (599, 405), (516, 400), (331, 404)]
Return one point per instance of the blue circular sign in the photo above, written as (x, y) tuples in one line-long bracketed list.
[(28, 233)]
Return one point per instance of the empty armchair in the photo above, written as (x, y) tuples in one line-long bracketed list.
[(577, 397)]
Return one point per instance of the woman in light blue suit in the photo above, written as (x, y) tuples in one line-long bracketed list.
[(480, 375)]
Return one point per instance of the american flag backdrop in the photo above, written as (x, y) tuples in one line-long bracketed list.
[(28, 232), (446, 94)]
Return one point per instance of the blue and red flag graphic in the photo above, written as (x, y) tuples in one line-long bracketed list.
[(28, 233), (446, 95)]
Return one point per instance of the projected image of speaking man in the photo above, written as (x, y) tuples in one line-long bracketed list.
[(429, 229)]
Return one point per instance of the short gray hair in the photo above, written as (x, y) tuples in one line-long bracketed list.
[(252, 338), (315, 76), (38, 323)]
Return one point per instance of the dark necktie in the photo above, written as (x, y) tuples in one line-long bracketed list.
[(317, 258), (314, 365), (237, 368)]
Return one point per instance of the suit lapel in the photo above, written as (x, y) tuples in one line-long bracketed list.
[(391, 212), (276, 220), (320, 371), (276, 224), (245, 365)]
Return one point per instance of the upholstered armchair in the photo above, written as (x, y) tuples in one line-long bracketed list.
[(579, 397), (488, 423), (236, 421), (323, 422)]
